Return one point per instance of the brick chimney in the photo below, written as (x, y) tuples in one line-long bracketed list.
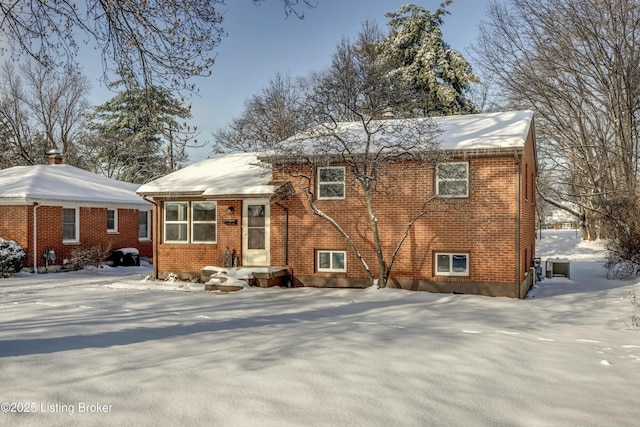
[(55, 157)]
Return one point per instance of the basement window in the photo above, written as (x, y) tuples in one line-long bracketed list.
[(452, 264), (331, 261)]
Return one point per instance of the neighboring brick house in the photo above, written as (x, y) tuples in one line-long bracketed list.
[(479, 239), (61, 207)]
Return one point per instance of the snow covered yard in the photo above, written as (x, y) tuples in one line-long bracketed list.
[(109, 348)]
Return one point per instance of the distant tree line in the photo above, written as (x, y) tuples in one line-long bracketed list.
[(138, 135), (575, 63)]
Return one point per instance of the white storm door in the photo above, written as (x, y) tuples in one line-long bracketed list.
[(255, 232)]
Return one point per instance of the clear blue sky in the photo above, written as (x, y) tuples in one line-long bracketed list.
[(261, 41)]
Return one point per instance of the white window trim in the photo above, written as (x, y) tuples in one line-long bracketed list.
[(330, 269), (451, 255), (193, 223), (115, 221), (438, 180), (165, 222), (77, 226), (319, 183), (148, 238)]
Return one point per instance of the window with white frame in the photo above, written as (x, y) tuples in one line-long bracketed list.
[(144, 225), (190, 222), (331, 261), (112, 220), (70, 225), (176, 222), (452, 264), (203, 222), (331, 181), (452, 179)]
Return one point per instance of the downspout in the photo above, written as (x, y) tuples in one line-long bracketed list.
[(156, 236), (518, 179), (36, 205)]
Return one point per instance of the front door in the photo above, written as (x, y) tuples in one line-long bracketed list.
[(255, 232)]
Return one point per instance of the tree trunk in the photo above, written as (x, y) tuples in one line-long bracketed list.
[(382, 283)]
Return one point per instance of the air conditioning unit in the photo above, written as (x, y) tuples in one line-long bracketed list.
[(558, 267)]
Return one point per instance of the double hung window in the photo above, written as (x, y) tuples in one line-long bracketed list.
[(203, 218), (331, 182), (452, 179), (70, 225), (144, 229), (112, 220), (190, 222)]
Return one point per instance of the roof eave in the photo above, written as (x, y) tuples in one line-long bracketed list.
[(484, 152), (169, 194)]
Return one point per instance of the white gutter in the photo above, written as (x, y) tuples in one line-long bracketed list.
[(155, 234)]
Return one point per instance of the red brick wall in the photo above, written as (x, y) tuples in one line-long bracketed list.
[(527, 209), (16, 223), (188, 260), (93, 230), (483, 225)]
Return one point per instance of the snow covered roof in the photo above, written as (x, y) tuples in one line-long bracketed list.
[(225, 175), (242, 175), (64, 183), (486, 131)]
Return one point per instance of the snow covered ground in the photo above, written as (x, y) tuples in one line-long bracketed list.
[(107, 347)]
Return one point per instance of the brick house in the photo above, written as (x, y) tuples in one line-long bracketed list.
[(61, 207), (478, 236)]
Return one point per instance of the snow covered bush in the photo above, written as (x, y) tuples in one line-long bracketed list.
[(172, 277), (623, 254), (623, 238), (12, 257), (82, 257)]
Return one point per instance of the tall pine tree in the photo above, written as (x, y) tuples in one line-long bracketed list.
[(437, 75), (138, 136)]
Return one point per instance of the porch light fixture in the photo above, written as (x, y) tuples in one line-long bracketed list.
[(230, 210)]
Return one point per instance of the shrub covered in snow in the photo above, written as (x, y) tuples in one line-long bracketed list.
[(82, 257), (172, 277), (623, 238), (12, 257)]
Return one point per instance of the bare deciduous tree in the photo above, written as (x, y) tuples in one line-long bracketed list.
[(40, 109), (272, 116), (575, 63), (349, 101), (16, 132), (159, 42), (59, 101)]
